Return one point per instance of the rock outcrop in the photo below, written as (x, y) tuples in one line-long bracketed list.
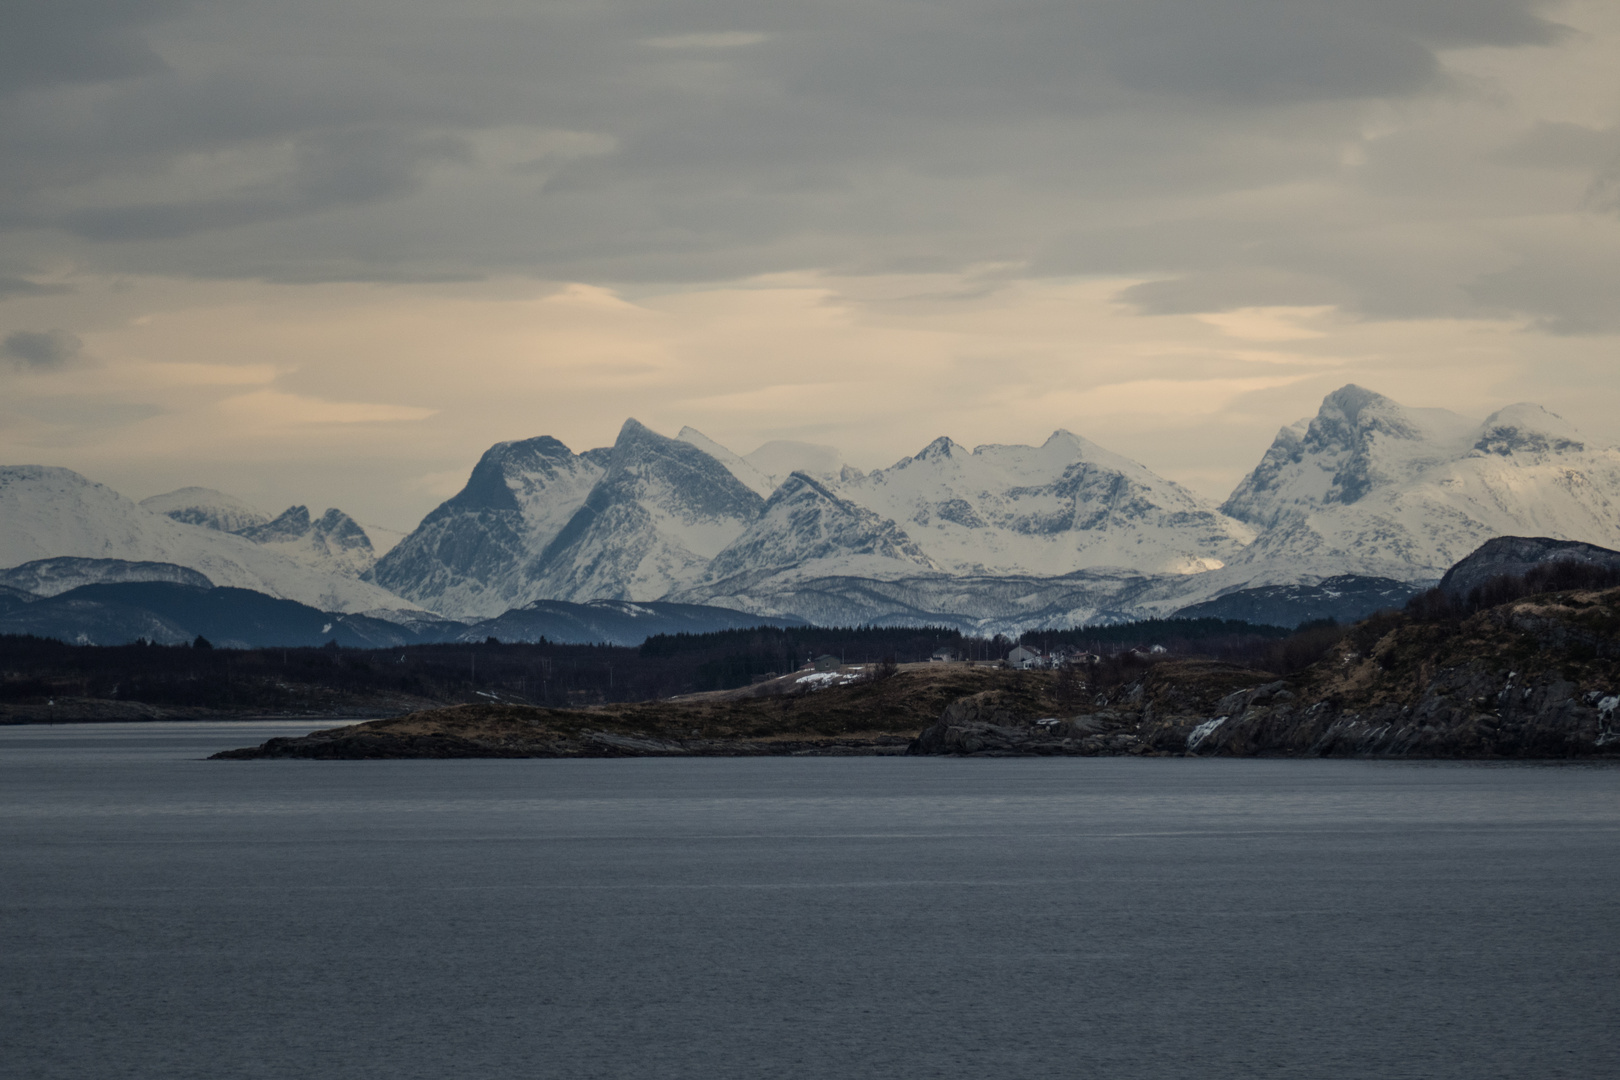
[(1516, 556), (1535, 678)]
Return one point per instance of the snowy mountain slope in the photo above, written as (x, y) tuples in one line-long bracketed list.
[(468, 558), (1063, 506), (206, 507), (806, 529), (334, 542), (758, 482), (984, 604), (50, 512), (651, 525), (1369, 486), (51, 577)]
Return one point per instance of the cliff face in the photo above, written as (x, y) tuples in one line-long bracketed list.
[(1539, 677)]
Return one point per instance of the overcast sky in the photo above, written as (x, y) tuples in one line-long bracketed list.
[(327, 252)]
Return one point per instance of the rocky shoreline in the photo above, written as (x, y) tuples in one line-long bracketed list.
[(356, 744)]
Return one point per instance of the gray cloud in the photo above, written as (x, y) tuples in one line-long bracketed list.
[(21, 286), (77, 41), (372, 140), (1569, 290), (331, 169), (41, 350)]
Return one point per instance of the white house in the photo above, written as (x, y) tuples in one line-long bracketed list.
[(1025, 659)]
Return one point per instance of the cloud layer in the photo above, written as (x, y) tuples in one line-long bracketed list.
[(41, 349), (1387, 156)]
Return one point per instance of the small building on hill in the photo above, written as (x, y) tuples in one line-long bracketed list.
[(828, 662)]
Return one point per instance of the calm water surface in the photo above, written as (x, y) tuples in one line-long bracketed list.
[(164, 916)]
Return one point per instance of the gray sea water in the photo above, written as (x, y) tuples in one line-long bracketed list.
[(165, 916)]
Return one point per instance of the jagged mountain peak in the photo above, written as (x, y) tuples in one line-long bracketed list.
[(663, 509), (1353, 419), (942, 447), (691, 478), (339, 534), (333, 541), (633, 429), (751, 477), (1373, 487), (806, 528), (333, 527), (291, 524), (796, 482), (469, 556), (510, 472), (1359, 441), (1066, 442)]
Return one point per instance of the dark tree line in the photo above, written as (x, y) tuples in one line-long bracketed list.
[(1558, 575), (543, 673), (548, 673)]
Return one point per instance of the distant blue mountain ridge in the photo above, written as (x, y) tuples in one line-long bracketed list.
[(168, 612)]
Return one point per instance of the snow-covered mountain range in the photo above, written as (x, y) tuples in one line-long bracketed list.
[(687, 519), (993, 538), (50, 513), (333, 542), (1368, 486)]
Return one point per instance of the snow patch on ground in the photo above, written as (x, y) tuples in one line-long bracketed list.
[(822, 679), (1203, 731)]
